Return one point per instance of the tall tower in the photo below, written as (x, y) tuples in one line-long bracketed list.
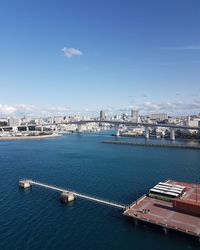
[(102, 115), (134, 115)]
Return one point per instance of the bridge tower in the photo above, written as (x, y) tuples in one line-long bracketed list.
[(79, 128), (15, 129), (117, 130), (172, 134), (24, 184), (67, 197), (147, 132)]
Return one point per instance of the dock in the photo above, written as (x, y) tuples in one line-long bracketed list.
[(171, 205), (162, 212), (26, 183)]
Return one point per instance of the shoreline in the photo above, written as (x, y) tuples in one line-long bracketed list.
[(31, 137), (152, 145)]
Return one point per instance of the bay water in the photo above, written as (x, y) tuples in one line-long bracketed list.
[(35, 219)]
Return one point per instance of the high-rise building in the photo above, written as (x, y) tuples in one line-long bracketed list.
[(102, 115), (135, 115), (188, 121), (14, 122)]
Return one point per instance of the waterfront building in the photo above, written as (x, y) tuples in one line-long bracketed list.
[(49, 120), (58, 119), (117, 117), (124, 116), (159, 116), (14, 122), (192, 122), (86, 117), (3, 121)]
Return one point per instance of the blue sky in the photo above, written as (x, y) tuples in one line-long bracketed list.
[(91, 55)]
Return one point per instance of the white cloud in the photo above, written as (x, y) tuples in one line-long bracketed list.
[(57, 110), (60, 108), (191, 47), (151, 106), (172, 108), (134, 106), (6, 109), (19, 109), (71, 52)]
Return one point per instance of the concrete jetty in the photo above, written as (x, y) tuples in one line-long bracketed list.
[(67, 197), (68, 194), (157, 145)]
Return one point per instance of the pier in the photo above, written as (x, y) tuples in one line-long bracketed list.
[(165, 213), (26, 183), (174, 206), (155, 145)]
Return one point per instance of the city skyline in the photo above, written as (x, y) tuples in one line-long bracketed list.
[(61, 58), (174, 110)]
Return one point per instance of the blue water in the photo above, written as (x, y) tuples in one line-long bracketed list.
[(35, 219)]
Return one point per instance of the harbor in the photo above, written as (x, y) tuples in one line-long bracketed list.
[(170, 205), (81, 163)]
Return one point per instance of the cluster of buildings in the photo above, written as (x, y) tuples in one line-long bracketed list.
[(156, 118), (56, 124), (14, 126)]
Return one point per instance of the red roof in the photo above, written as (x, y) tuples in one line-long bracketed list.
[(190, 202)]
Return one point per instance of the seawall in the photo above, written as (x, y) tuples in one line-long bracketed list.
[(181, 146)]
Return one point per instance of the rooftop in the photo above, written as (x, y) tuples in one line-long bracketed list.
[(162, 213)]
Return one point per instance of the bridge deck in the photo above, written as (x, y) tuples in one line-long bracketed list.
[(113, 122), (83, 196)]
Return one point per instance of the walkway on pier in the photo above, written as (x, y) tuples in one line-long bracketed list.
[(83, 196)]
